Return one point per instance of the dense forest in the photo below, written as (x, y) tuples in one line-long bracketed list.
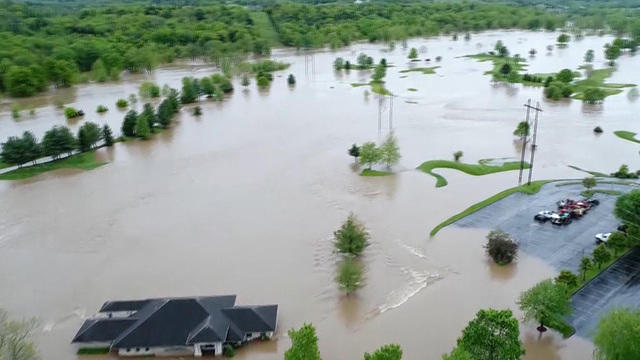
[(45, 44)]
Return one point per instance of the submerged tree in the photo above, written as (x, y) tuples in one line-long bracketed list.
[(588, 56), (522, 130), (370, 154), (304, 344), (545, 302), (129, 123), (291, 80), (501, 247), (107, 135), (389, 151), (354, 151), (457, 155), (493, 334), (413, 53), (563, 38), (142, 128), (352, 237)]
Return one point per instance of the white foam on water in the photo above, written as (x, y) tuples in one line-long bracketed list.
[(418, 281)]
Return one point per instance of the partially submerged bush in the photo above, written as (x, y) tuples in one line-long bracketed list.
[(501, 247), (122, 103), (102, 109), (597, 130), (71, 113), (352, 237), (457, 155)]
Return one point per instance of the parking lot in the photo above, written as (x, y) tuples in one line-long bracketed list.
[(617, 286), (561, 246)]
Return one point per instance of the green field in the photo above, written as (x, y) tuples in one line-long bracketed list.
[(424, 70), (596, 78), (592, 173), (3, 165), (626, 135), (84, 161), (482, 168), (534, 188), (376, 86)]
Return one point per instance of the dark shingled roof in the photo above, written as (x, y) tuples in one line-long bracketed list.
[(102, 330), (127, 305), (177, 322)]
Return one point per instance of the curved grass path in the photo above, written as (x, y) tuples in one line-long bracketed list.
[(627, 135), (482, 168), (534, 188), (83, 161)]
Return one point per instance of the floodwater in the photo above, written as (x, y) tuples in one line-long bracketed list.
[(244, 199)]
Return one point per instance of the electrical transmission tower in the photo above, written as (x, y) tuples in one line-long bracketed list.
[(525, 135)]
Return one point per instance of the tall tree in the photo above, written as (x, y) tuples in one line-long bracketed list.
[(304, 344), (370, 154), (129, 123), (544, 302), (617, 242), (492, 335), (585, 265), (189, 92), (88, 135), (107, 135), (149, 114), (617, 335), (142, 128), (389, 151), (57, 141), (601, 255)]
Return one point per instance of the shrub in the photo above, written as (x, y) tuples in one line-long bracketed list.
[(457, 155), (291, 80), (197, 111), (71, 113), (505, 69), (593, 95), (149, 90), (565, 75), (122, 103), (349, 275), (597, 130), (228, 351), (501, 247), (102, 109), (568, 278)]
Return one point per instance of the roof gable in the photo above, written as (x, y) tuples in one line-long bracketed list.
[(253, 318), (102, 330)]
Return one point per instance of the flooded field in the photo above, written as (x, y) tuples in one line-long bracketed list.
[(244, 199)]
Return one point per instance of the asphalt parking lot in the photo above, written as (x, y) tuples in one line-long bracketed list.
[(561, 246), (617, 286)]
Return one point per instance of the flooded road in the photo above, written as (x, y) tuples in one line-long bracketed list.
[(244, 199)]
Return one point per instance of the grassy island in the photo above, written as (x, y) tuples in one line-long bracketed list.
[(626, 135), (482, 168), (83, 161), (424, 70)]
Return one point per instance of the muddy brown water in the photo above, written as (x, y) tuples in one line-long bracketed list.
[(244, 200)]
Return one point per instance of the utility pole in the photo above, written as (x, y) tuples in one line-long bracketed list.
[(380, 104), (390, 112), (524, 144), (537, 109)]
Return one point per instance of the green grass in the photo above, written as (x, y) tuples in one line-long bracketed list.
[(369, 172), (424, 70), (93, 351), (589, 193), (264, 27), (3, 165), (534, 188), (482, 168), (592, 173), (599, 182), (412, 89), (596, 78), (626, 135), (84, 161), (562, 326), (378, 88), (517, 65)]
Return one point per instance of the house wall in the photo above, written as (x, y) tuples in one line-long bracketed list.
[(157, 351), (198, 351)]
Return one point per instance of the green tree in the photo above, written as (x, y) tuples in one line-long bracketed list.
[(99, 71), (589, 182), (389, 151), (413, 53), (501, 247), (197, 111), (370, 154), (142, 128), (617, 242), (601, 255), (593, 95), (585, 265), (13, 151), (506, 69), (611, 53), (565, 75), (20, 81), (129, 123), (291, 80), (354, 151), (522, 130), (16, 339), (149, 114), (165, 113), (564, 38), (207, 86), (352, 237), (457, 354), (88, 135), (149, 90), (62, 73), (349, 275), (245, 80), (492, 335), (617, 335), (101, 109), (57, 141), (588, 56), (122, 103), (544, 302), (386, 352), (569, 279), (338, 63), (189, 92), (107, 135), (304, 344)]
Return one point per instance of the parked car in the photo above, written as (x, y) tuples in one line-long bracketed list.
[(602, 238), (544, 216), (561, 219)]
